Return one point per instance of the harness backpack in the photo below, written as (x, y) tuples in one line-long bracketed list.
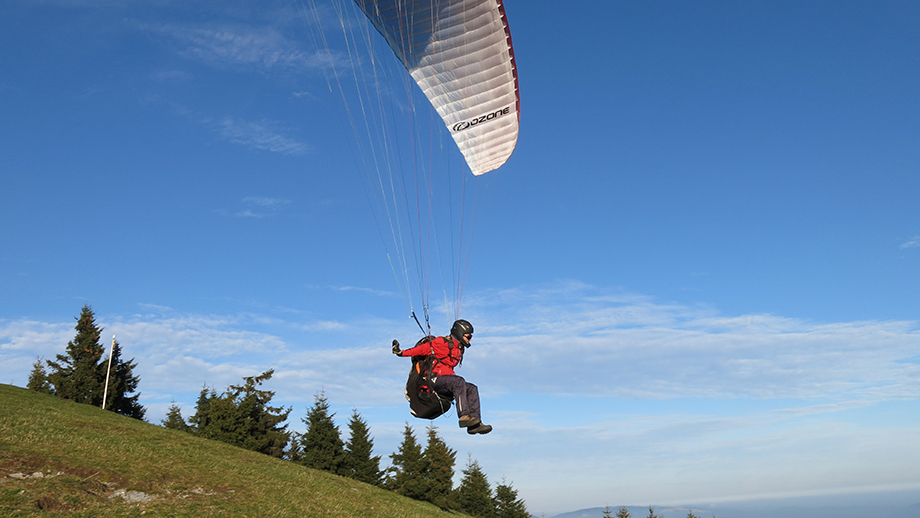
[(424, 401)]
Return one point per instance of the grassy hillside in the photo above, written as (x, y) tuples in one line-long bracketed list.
[(99, 464)]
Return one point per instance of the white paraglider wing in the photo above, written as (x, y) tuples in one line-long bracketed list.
[(460, 54)]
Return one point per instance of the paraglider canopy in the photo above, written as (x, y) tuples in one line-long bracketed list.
[(457, 53), (460, 54)]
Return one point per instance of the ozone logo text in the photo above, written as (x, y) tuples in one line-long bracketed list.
[(460, 126)]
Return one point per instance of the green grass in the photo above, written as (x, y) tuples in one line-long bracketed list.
[(87, 455)]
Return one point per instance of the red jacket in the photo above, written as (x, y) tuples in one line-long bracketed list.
[(446, 350)]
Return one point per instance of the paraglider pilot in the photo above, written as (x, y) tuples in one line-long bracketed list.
[(448, 353)]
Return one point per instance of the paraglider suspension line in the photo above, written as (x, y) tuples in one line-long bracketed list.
[(427, 323)]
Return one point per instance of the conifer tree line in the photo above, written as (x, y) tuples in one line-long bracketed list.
[(242, 415), (80, 374)]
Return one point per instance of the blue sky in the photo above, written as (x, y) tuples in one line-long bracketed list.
[(694, 281)]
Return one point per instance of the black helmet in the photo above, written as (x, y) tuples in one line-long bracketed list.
[(460, 328)]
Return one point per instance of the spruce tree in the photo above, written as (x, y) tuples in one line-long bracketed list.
[(475, 495), (360, 463), (201, 419), (508, 505), (439, 470), (174, 419), (77, 375), (38, 378), (223, 420), (321, 447), (408, 468), (122, 382), (242, 416), (623, 513), (265, 432)]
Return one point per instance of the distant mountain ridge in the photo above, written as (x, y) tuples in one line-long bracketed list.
[(638, 512), (777, 511)]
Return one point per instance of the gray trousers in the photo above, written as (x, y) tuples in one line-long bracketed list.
[(465, 394)]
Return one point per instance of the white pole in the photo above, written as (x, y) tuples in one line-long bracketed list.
[(107, 371)]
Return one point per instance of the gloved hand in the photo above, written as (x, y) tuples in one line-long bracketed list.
[(396, 350)]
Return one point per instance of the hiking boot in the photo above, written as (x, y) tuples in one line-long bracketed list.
[(480, 428), (467, 421)]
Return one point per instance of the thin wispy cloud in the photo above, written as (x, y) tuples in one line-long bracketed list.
[(259, 47), (322, 325), (614, 344), (260, 201), (155, 307), (209, 336), (911, 243), (171, 76), (301, 95), (22, 342), (370, 291), (32, 335), (275, 51), (258, 207), (263, 135), (620, 345), (179, 352), (73, 3)]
